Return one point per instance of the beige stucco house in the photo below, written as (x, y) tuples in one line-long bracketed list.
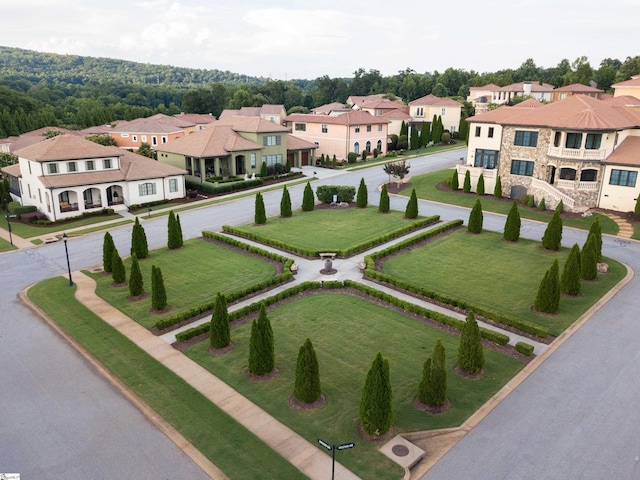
[(629, 87), (268, 112), (425, 108)]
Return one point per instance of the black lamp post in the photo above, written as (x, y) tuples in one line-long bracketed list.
[(66, 251), (9, 228), (333, 449)]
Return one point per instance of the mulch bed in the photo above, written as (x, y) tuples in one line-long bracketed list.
[(469, 376), (166, 309), (136, 298), (219, 352), (263, 378), (430, 408), (298, 405)]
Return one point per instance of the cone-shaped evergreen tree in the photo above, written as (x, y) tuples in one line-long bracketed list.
[(424, 388), (480, 185), (261, 346), (553, 234), (362, 198), (433, 387), (542, 206), (497, 190), (412, 206), (376, 408), (260, 215), (475, 218), (307, 386), (513, 223), (455, 183), (425, 133), (174, 237), (107, 252), (637, 207), (466, 186), (570, 279), (589, 259), (118, 272), (263, 170), (285, 203), (548, 298), (158, 292), (384, 200), (560, 207), (220, 333), (308, 202), (136, 285), (179, 228), (139, 245), (596, 230), (470, 351), (334, 162), (414, 141)]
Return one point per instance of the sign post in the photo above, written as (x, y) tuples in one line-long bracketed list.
[(333, 449)]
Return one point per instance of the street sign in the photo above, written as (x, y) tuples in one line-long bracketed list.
[(325, 444), (344, 446)]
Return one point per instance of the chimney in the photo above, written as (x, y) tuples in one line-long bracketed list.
[(526, 88)]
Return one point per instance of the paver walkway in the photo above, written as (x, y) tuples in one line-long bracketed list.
[(305, 456)]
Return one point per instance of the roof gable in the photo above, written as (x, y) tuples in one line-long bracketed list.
[(65, 147)]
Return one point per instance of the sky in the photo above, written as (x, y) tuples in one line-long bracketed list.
[(296, 39)]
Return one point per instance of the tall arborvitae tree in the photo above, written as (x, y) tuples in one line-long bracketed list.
[(308, 201), (480, 185), (570, 279), (136, 285), (542, 205), (362, 198), (285, 203), (552, 238), (455, 183), (404, 129), (384, 200), (497, 190), (220, 333), (433, 387), (513, 224), (376, 406), (548, 298), (637, 207), (107, 252), (263, 170), (139, 245), (174, 239), (596, 230), (414, 141), (307, 385), (589, 259), (179, 229), (466, 186), (118, 272), (475, 218), (470, 351), (261, 345), (260, 215), (560, 207), (334, 162), (425, 134), (158, 292), (412, 206)]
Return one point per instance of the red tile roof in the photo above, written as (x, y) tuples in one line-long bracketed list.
[(627, 153), (218, 140), (295, 143), (634, 81), (352, 117), (623, 100), (66, 147), (578, 88), (432, 100)]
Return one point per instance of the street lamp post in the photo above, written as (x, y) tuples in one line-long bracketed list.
[(9, 228), (333, 449), (66, 251)]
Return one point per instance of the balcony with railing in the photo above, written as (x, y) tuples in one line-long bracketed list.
[(577, 153)]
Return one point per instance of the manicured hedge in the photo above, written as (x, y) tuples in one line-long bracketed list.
[(524, 348), (225, 188), (344, 193)]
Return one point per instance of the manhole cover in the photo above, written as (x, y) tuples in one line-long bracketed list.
[(400, 450)]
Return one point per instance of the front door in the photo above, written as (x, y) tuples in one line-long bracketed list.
[(552, 174)]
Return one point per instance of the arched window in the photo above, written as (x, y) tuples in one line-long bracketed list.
[(589, 175), (379, 146), (368, 146), (567, 174), (356, 147)]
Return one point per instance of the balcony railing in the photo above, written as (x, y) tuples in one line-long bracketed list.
[(577, 153), (576, 185)]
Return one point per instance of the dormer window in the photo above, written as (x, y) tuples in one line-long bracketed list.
[(52, 168), (106, 163)]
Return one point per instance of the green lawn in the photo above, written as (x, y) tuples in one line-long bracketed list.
[(347, 332), (328, 229), (504, 276), (222, 440), (192, 276), (27, 230), (425, 186), (6, 246)]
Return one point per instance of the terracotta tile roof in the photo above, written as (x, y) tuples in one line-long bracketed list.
[(623, 100), (627, 153), (578, 88), (155, 124), (218, 140), (295, 143), (41, 132), (432, 100), (383, 104), (13, 170), (398, 114), (265, 109), (329, 107), (634, 81), (352, 117), (251, 124), (519, 87), (195, 118), (66, 147), (490, 87), (96, 130), (268, 109)]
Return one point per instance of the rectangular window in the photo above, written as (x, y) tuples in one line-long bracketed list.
[(301, 127), (264, 159), (357, 127), (253, 160), (593, 141), (420, 112), (556, 139), (443, 112), (624, 178), (164, 139), (325, 129), (124, 135), (147, 189), (173, 185), (271, 140), (526, 138), (380, 127), (106, 163), (134, 138), (490, 132), (52, 168), (574, 140), (91, 165), (144, 138), (522, 167), (271, 160), (280, 158), (154, 140), (368, 128), (40, 195), (486, 158), (72, 167), (478, 129)]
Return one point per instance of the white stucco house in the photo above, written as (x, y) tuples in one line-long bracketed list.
[(66, 176)]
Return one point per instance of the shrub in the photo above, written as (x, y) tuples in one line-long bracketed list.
[(560, 207), (596, 231), (548, 298), (376, 409), (445, 137), (307, 384), (261, 347), (118, 273), (375, 153), (455, 184), (136, 285), (107, 252), (264, 171), (308, 202), (285, 204), (219, 333), (470, 352), (475, 218), (637, 207), (158, 292), (352, 157), (363, 195), (412, 206), (570, 279), (513, 224), (174, 237), (325, 193), (542, 206), (531, 201), (497, 190), (139, 245), (260, 217), (364, 155), (589, 259), (466, 186), (524, 348), (16, 209), (480, 185), (384, 200), (552, 237), (433, 387)]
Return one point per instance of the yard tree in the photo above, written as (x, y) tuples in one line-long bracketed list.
[(220, 333), (470, 351), (596, 230), (136, 285), (260, 217), (397, 169), (308, 201), (433, 387), (412, 206), (5, 193), (513, 224), (455, 183), (570, 279), (362, 199), (425, 133), (553, 233), (560, 207), (548, 297), (414, 141), (174, 239), (466, 186), (334, 162), (376, 407), (637, 207), (480, 185), (307, 384), (118, 272), (542, 205), (145, 150), (263, 170), (261, 346), (589, 259), (404, 129), (497, 190), (384, 200), (158, 292), (179, 230), (285, 203), (475, 218), (107, 252), (139, 245)]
